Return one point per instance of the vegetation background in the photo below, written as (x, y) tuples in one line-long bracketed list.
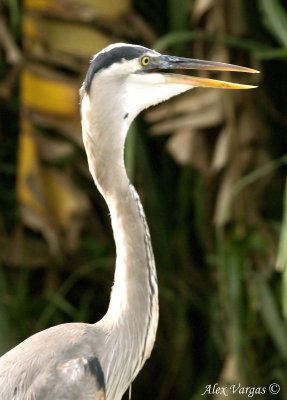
[(210, 167)]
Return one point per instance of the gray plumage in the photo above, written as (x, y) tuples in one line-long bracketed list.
[(79, 361)]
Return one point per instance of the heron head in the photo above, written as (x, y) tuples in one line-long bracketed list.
[(132, 77)]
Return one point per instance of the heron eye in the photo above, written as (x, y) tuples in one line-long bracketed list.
[(145, 60)]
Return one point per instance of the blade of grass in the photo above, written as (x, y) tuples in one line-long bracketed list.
[(271, 317), (261, 50), (233, 270), (275, 18), (68, 284), (177, 11), (158, 223), (15, 15), (130, 151), (177, 14), (243, 182), (59, 302), (7, 336), (272, 54), (281, 262), (230, 261), (186, 36)]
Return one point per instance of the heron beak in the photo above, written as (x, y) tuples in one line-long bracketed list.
[(170, 62)]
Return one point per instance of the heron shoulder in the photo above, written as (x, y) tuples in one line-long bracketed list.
[(28, 367)]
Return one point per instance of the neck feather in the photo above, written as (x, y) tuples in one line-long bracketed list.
[(133, 310)]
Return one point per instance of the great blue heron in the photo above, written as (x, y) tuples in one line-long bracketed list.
[(79, 361)]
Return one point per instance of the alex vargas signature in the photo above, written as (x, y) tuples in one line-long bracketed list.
[(250, 391)]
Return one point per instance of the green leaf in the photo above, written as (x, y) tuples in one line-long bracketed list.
[(281, 262), (177, 14), (269, 310), (130, 151), (173, 38), (275, 19), (7, 335), (61, 303), (245, 181)]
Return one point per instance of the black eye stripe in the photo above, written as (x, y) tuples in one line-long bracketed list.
[(107, 58)]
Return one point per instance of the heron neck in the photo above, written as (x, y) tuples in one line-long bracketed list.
[(132, 314)]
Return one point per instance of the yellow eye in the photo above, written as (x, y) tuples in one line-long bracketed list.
[(145, 60)]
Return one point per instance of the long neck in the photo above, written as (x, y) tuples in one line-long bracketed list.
[(133, 308)]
